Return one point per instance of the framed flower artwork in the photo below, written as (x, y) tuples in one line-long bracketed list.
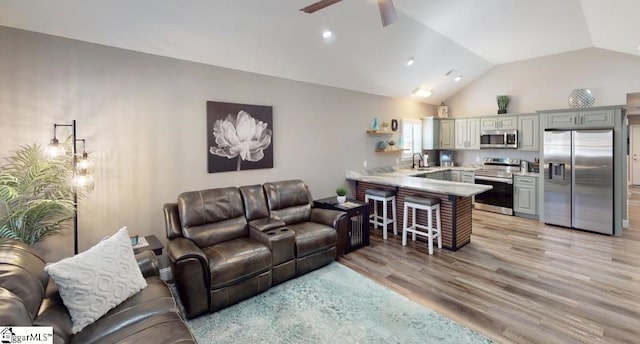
[(239, 137)]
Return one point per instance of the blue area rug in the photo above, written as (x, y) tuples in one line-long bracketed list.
[(331, 305)]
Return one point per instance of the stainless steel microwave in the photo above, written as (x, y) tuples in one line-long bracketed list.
[(499, 138)]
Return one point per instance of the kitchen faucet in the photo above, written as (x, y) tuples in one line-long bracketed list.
[(413, 160)]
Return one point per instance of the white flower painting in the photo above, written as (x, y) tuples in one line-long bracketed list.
[(239, 137)]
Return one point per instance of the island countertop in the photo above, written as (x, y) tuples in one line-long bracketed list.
[(405, 178)]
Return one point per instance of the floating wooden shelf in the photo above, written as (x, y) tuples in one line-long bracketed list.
[(390, 150), (380, 132)]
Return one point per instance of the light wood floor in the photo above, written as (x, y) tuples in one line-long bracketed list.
[(520, 281)]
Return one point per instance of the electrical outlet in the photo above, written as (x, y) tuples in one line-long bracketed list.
[(364, 163), (477, 159), (397, 160)]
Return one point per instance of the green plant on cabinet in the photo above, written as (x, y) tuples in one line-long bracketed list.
[(503, 101)]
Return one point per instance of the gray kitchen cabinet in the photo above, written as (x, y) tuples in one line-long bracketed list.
[(430, 133), (454, 176), (525, 195), (580, 119), (529, 133), (461, 133), (493, 123), (436, 175), (467, 133), (467, 177), (596, 119), (447, 134)]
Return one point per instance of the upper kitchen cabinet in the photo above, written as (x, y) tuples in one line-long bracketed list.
[(467, 133), (581, 119), (430, 133), (447, 134), (529, 132), (493, 123)]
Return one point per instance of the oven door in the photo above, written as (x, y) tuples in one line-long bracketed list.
[(499, 199)]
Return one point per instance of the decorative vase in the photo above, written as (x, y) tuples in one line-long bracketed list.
[(341, 199), (394, 124), (502, 111), (581, 98), (374, 127)]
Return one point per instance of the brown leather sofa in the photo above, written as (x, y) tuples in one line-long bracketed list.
[(29, 298), (228, 244)]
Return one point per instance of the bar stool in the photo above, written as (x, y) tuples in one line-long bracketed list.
[(384, 196), (425, 203)]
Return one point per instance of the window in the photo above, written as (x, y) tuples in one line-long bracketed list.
[(411, 137)]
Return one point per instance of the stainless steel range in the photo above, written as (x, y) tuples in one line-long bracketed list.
[(497, 172)]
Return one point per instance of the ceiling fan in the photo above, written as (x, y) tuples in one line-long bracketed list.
[(387, 11)]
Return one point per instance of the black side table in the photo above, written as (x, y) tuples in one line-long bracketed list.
[(358, 215), (154, 245)]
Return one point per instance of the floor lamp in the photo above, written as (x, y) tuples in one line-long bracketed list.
[(81, 166)]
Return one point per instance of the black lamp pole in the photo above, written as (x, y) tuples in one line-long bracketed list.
[(74, 163), (74, 188)]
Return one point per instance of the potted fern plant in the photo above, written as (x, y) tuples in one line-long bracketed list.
[(503, 101), (342, 195), (35, 195)]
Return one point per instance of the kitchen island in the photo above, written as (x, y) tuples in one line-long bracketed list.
[(455, 198)]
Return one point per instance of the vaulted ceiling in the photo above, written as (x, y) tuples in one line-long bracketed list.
[(272, 37)]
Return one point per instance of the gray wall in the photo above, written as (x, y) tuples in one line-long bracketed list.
[(545, 83), (144, 120)]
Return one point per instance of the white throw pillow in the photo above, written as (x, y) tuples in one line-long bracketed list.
[(98, 279)]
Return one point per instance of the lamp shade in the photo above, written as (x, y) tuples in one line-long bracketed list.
[(55, 149), (83, 180), (85, 163)]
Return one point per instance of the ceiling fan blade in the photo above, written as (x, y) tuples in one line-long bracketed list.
[(316, 6), (387, 12)]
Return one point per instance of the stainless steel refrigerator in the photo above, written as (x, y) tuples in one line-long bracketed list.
[(578, 179)]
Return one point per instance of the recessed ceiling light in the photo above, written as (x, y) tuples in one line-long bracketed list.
[(326, 34), (457, 78), (422, 92), (410, 61)]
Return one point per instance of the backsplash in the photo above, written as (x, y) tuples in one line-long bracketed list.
[(477, 156)]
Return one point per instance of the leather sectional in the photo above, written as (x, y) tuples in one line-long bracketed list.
[(228, 244), (29, 298)]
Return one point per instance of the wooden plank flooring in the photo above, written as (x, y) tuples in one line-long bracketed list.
[(520, 281)]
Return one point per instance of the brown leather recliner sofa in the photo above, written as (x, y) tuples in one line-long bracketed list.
[(29, 298), (228, 244)]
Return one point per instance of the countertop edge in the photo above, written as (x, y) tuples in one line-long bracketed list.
[(422, 184)]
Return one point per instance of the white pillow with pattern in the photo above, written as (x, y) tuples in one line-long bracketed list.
[(98, 279)]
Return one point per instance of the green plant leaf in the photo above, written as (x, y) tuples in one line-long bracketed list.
[(36, 197), (8, 233)]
